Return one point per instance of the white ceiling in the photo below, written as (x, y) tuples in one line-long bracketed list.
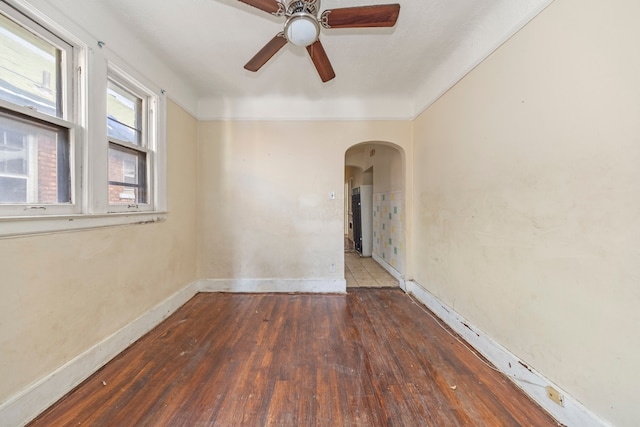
[(380, 72)]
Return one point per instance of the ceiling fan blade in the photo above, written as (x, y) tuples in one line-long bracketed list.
[(321, 61), (384, 15), (265, 54), (269, 6)]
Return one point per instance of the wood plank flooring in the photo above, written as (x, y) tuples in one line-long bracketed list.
[(368, 358)]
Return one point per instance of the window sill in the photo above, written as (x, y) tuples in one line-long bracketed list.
[(26, 226)]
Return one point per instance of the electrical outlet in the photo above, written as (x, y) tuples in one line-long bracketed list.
[(555, 395)]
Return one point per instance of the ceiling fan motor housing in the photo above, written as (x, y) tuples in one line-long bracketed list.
[(302, 6)]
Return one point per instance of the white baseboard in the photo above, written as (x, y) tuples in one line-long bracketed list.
[(21, 408), (324, 286), (392, 271), (572, 414)]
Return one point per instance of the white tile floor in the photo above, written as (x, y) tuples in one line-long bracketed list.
[(365, 272)]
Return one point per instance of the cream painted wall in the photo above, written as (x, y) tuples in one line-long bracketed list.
[(264, 207), (527, 200), (65, 292), (388, 170), (355, 174)]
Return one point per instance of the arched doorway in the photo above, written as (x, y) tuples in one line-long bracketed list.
[(374, 212)]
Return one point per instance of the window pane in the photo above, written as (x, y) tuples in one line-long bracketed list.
[(124, 114), (29, 69), (13, 189), (34, 162), (127, 176)]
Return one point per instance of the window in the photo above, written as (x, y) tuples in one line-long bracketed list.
[(34, 162), (31, 67), (131, 144), (127, 171), (81, 134), (35, 117)]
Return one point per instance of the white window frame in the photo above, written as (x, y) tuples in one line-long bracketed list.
[(148, 144), (69, 120), (92, 64)]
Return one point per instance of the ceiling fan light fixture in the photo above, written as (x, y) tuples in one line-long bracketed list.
[(302, 29)]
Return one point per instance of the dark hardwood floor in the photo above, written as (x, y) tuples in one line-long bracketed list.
[(368, 358)]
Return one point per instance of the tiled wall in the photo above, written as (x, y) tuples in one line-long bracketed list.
[(388, 235)]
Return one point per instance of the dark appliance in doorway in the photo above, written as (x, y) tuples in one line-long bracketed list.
[(357, 219)]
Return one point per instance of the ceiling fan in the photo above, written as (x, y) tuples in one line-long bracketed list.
[(302, 27)]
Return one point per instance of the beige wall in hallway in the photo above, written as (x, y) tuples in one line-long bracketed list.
[(386, 161), (264, 191), (527, 200), (65, 292)]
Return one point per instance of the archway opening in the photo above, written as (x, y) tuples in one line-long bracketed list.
[(374, 215)]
